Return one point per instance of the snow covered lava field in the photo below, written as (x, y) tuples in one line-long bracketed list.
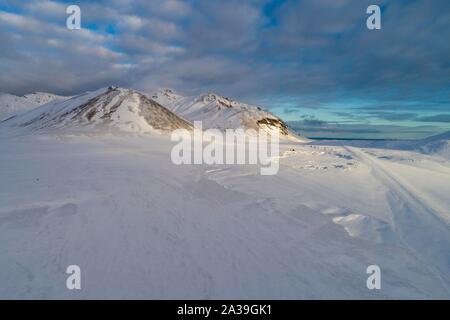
[(142, 227)]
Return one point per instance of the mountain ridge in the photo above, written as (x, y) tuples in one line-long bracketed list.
[(215, 112), (219, 112), (11, 104), (106, 108)]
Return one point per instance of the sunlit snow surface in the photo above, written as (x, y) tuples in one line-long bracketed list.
[(11, 104), (142, 227)]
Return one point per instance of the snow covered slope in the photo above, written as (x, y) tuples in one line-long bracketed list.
[(141, 227), (10, 104), (104, 109), (219, 112), (213, 110), (40, 98), (436, 145)]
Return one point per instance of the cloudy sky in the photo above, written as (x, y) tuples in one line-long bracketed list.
[(313, 62)]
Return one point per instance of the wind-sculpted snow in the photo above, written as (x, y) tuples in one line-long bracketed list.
[(141, 227)]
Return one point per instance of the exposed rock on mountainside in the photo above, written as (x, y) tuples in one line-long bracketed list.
[(219, 112), (103, 109)]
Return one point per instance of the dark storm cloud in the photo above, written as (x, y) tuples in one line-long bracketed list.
[(409, 54), (257, 50)]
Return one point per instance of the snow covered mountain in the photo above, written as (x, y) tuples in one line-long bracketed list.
[(104, 109), (40, 98), (10, 104), (219, 112), (436, 145), (134, 111)]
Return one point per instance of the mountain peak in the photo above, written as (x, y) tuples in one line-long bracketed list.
[(11, 104), (219, 112), (107, 108), (40, 98), (130, 110), (213, 97)]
